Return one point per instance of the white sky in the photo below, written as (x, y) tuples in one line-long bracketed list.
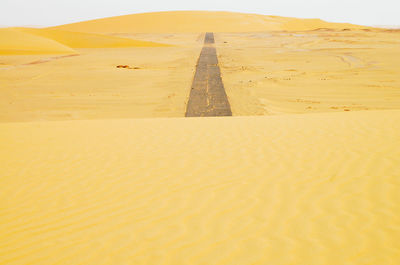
[(56, 12)]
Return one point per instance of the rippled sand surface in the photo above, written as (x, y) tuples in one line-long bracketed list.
[(287, 189), (98, 165)]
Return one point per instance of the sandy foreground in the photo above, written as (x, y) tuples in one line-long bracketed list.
[(287, 189), (98, 165)]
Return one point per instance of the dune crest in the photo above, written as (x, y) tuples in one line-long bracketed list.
[(31, 41), (89, 40), (198, 21), (15, 42)]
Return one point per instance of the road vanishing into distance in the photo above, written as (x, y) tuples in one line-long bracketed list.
[(207, 95)]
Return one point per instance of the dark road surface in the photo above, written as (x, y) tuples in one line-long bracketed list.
[(207, 96)]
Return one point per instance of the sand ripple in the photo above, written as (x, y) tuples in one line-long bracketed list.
[(288, 189)]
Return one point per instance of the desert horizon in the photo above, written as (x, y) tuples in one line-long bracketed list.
[(200, 137)]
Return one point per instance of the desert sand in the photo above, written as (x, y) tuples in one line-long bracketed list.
[(194, 21), (99, 165), (315, 71), (15, 42)]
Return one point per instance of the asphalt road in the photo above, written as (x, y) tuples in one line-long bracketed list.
[(207, 96)]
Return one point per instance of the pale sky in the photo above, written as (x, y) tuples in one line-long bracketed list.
[(56, 12)]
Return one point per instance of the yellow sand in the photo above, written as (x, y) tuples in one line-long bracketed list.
[(14, 42), (198, 21), (90, 86), (81, 182), (264, 74), (30, 41), (316, 71), (287, 189), (87, 40)]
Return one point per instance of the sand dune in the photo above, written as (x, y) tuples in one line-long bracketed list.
[(14, 42), (298, 24), (88, 40), (25, 41), (81, 182), (288, 189), (198, 21)]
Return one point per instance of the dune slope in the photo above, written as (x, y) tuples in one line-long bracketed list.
[(197, 21), (289, 189), (15, 42), (88, 40)]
